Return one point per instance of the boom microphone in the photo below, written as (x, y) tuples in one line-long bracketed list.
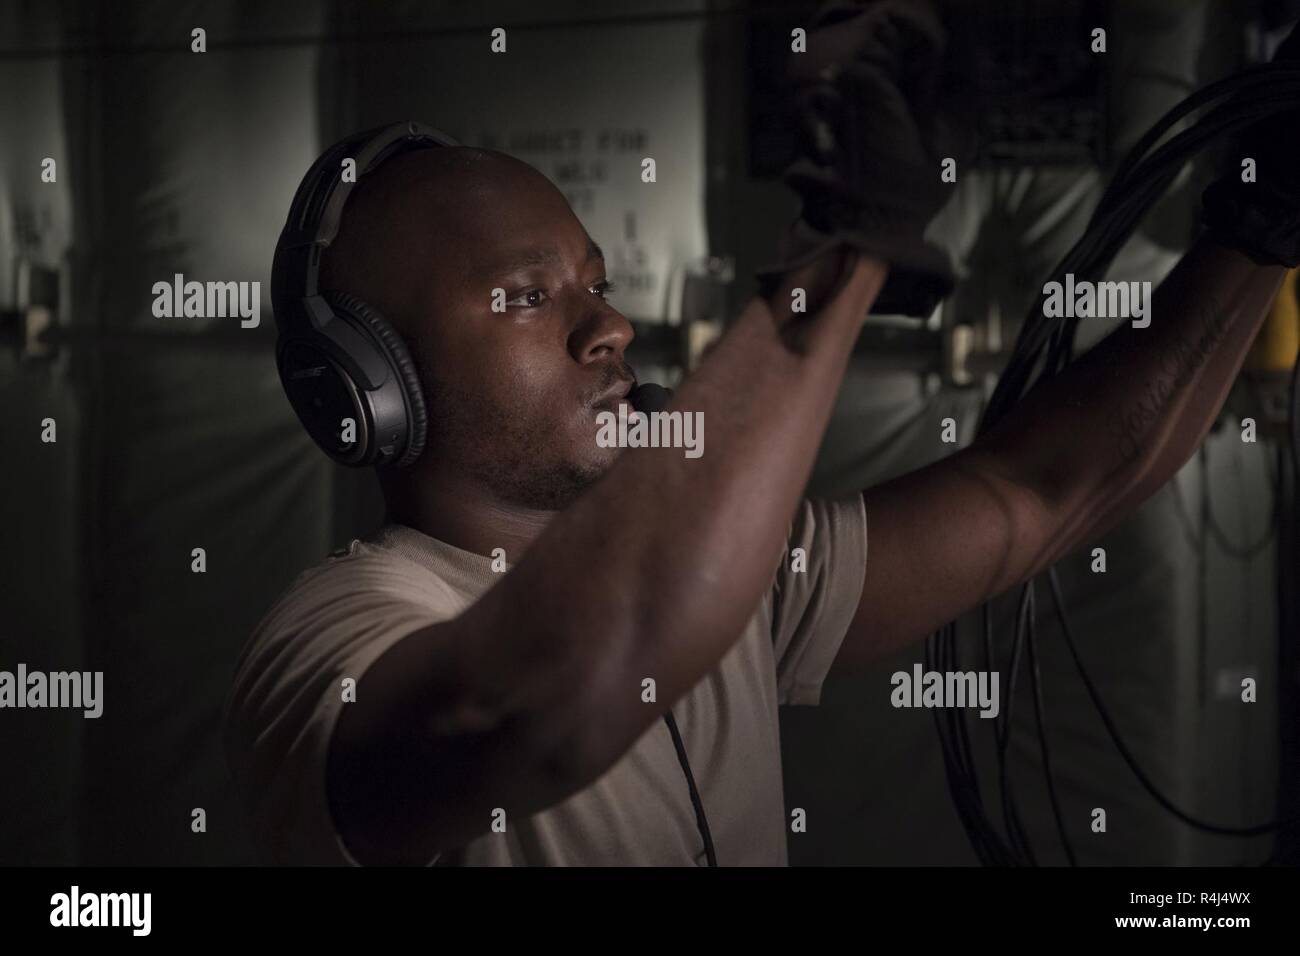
[(649, 397)]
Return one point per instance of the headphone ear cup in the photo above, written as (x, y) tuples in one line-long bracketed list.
[(399, 359)]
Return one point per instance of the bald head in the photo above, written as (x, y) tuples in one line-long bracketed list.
[(405, 224)]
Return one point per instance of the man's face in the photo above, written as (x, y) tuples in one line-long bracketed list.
[(515, 393)]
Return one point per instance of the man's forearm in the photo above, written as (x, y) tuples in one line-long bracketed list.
[(1118, 423)]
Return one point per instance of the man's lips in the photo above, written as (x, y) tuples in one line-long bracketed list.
[(618, 391)]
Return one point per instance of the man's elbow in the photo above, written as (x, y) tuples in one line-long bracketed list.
[(408, 782)]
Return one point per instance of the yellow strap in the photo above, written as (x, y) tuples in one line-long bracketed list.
[(1278, 342)]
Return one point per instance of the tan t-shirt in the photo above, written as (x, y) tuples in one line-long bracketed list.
[(337, 618)]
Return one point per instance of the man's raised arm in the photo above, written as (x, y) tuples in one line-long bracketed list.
[(1081, 452), (1084, 449), (535, 690)]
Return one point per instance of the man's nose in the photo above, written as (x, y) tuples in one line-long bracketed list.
[(601, 332)]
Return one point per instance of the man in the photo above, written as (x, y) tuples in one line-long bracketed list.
[(516, 718)]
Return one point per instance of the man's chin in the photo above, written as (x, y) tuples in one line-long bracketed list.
[(596, 466), (558, 487)]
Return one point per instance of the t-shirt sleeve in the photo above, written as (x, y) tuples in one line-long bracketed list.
[(332, 623), (813, 605)]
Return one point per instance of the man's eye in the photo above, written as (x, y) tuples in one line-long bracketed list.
[(603, 288), (532, 297)]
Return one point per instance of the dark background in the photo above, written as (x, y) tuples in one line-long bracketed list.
[(175, 434)]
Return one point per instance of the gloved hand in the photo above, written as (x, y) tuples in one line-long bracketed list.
[(1262, 219), (868, 163)]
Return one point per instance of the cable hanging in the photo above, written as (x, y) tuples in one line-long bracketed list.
[(1145, 174)]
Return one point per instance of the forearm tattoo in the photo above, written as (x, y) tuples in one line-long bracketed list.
[(1179, 364)]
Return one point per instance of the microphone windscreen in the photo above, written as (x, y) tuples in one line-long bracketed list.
[(650, 397)]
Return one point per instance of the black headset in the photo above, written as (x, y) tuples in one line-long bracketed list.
[(338, 357)]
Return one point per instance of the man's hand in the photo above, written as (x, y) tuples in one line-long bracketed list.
[(867, 166)]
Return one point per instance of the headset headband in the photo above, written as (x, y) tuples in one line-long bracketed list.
[(317, 208)]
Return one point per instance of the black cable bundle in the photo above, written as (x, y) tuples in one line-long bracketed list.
[(1146, 173)]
